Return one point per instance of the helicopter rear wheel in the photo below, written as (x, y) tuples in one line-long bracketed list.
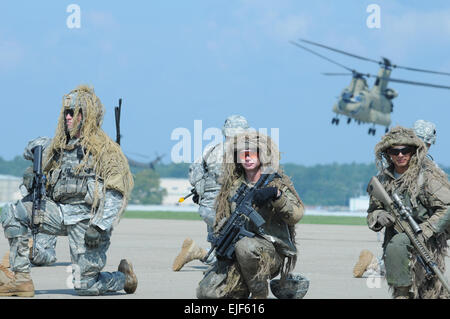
[(335, 120), (386, 130), (371, 131), (349, 120)]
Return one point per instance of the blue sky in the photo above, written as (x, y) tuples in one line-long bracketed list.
[(174, 62)]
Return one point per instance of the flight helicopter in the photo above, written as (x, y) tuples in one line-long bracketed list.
[(359, 102)]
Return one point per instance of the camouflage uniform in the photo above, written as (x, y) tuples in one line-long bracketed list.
[(368, 265), (204, 173), (75, 201), (426, 190), (44, 244), (260, 258)]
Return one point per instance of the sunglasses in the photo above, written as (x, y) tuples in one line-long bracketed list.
[(70, 112), (403, 150), (252, 154)]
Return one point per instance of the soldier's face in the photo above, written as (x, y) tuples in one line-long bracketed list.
[(69, 118), (249, 160), (401, 156)]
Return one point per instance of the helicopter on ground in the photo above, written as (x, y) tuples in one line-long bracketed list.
[(359, 102)]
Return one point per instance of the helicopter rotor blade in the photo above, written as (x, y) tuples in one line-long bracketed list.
[(333, 73), (323, 57), (375, 61), (438, 86), (419, 70), (340, 51)]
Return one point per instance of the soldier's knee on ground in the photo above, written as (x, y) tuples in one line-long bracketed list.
[(246, 248), (397, 260)]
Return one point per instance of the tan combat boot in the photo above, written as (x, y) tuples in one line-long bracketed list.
[(365, 259), (6, 275), (5, 260), (21, 285), (130, 277), (189, 252)]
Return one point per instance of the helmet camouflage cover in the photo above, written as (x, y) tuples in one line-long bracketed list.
[(426, 131), (234, 124)]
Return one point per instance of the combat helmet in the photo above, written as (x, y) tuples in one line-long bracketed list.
[(295, 286), (426, 131), (234, 124)]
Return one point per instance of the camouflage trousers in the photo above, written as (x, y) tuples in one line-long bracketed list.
[(87, 263), (256, 262), (45, 253), (404, 270)]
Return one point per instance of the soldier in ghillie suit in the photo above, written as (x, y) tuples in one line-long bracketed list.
[(204, 176), (88, 185), (369, 265), (401, 158), (263, 257)]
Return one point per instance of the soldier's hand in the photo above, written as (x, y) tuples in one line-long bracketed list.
[(385, 219), (427, 231), (92, 236), (264, 195), (195, 198)]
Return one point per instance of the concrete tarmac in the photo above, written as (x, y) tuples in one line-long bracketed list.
[(327, 254)]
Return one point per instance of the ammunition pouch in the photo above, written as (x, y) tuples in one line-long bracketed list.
[(69, 188)]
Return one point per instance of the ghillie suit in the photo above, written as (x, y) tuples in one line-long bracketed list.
[(88, 184), (100, 154), (262, 257), (425, 188)]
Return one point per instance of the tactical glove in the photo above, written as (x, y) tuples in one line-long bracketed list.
[(384, 219), (427, 231), (264, 195), (196, 197), (92, 236)]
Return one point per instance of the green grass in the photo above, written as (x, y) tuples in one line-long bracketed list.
[(334, 220), (331, 220), (323, 220), (162, 215)]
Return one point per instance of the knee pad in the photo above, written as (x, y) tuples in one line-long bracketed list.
[(14, 226)]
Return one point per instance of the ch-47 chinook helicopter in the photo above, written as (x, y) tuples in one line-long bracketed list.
[(361, 103)]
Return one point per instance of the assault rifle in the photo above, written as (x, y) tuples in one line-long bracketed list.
[(117, 111), (38, 192), (235, 227), (405, 223)]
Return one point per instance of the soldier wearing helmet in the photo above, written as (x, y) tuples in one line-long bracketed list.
[(425, 189), (368, 265), (88, 186), (269, 252), (204, 176), (426, 131)]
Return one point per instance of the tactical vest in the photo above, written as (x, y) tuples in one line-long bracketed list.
[(67, 186)]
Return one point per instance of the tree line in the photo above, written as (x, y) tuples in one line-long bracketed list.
[(324, 185)]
